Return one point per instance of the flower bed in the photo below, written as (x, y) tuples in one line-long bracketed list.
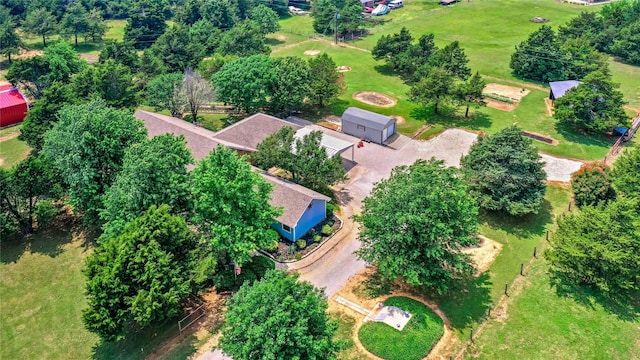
[(292, 251)]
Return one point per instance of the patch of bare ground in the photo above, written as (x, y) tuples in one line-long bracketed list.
[(539, 137), (311, 52), (399, 119), (354, 290), (500, 105), (205, 329), (10, 136), (329, 125), (343, 68), (484, 254), (548, 103), (510, 92), (375, 98)]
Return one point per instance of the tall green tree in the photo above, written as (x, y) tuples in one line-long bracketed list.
[(75, 20), (264, 319), (23, 188), (596, 105), (305, 160), (140, 275), (10, 42), (88, 145), (583, 58), (505, 173), (265, 18), (223, 14), (453, 59), (244, 82), (42, 23), (324, 13), (591, 185), (96, 26), (121, 52), (44, 113), (231, 205), (154, 172), (177, 50), (292, 85), (414, 225), (470, 92), (325, 83), (599, 247), (392, 47), (63, 62), (244, 39), (625, 173), (540, 57), (146, 24), (109, 80), (433, 89), (164, 92)]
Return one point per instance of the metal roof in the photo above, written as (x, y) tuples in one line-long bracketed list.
[(332, 145), (367, 118), (559, 88)]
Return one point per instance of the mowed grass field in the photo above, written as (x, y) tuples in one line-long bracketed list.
[(12, 150)]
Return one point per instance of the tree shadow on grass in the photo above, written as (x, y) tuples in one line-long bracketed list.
[(520, 226), (48, 240), (138, 344), (451, 118), (572, 134), (466, 302), (625, 307), (273, 42)]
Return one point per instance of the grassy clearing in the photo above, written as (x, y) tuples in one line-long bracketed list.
[(12, 150), (415, 341), (466, 304), (293, 29), (346, 326), (541, 322)]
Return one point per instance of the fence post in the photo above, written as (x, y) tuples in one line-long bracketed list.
[(506, 288), (569, 205), (547, 235), (535, 251), (471, 335), (521, 269)]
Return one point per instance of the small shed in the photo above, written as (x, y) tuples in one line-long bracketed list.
[(13, 106), (559, 88), (368, 125)]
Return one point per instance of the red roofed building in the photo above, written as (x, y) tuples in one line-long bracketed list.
[(13, 105)]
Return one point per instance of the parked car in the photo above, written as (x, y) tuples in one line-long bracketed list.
[(396, 4), (380, 10)]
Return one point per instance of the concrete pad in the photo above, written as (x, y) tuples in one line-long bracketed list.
[(559, 169)]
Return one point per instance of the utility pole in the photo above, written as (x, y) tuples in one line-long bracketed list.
[(336, 26)]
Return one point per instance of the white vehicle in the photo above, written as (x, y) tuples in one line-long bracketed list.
[(380, 10), (396, 4)]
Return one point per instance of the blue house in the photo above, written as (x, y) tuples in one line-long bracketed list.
[(302, 208)]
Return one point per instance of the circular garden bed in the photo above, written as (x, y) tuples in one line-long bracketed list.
[(415, 341)]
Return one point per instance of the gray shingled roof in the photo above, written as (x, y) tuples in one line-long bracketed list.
[(367, 118), (250, 132), (293, 198), (559, 88)]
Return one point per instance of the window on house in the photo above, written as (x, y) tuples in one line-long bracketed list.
[(286, 228), (361, 127)]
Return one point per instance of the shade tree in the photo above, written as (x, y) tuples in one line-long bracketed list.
[(505, 173), (40, 22), (625, 173), (540, 57), (325, 82), (591, 185), (164, 92), (414, 225), (110, 81)]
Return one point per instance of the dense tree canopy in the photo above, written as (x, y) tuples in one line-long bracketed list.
[(343, 15), (433, 89), (145, 24), (415, 223), (139, 275), (154, 172), (540, 57), (506, 173), (244, 39), (87, 145), (325, 82), (599, 247), (596, 105), (231, 205), (42, 23), (265, 18), (110, 81), (402, 55), (10, 43), (591, 185), (625, 173), (470, 92), (278, 317), (120, 52), (178, 50), (164, 92), (75, 21)]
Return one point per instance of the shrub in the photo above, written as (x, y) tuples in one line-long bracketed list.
[(301, 243), (317, 238), (326, 230), (330, 209), (298, 256), (591, 185)]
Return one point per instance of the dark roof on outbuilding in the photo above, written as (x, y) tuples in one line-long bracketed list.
[(367, 118), (559, 88)]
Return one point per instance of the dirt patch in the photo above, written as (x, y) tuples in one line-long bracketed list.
[(484, 254), (10, 136), (202, 329), (548, 103), (399, 119), (343, 69), (540, 137), (312, 52), (495, 104), (510, 92), (374, 98), (329, 125)]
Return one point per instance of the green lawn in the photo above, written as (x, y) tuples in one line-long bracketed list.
[(543, 325), (346, 326), (466, 304), (415, 341), (12, 150)]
